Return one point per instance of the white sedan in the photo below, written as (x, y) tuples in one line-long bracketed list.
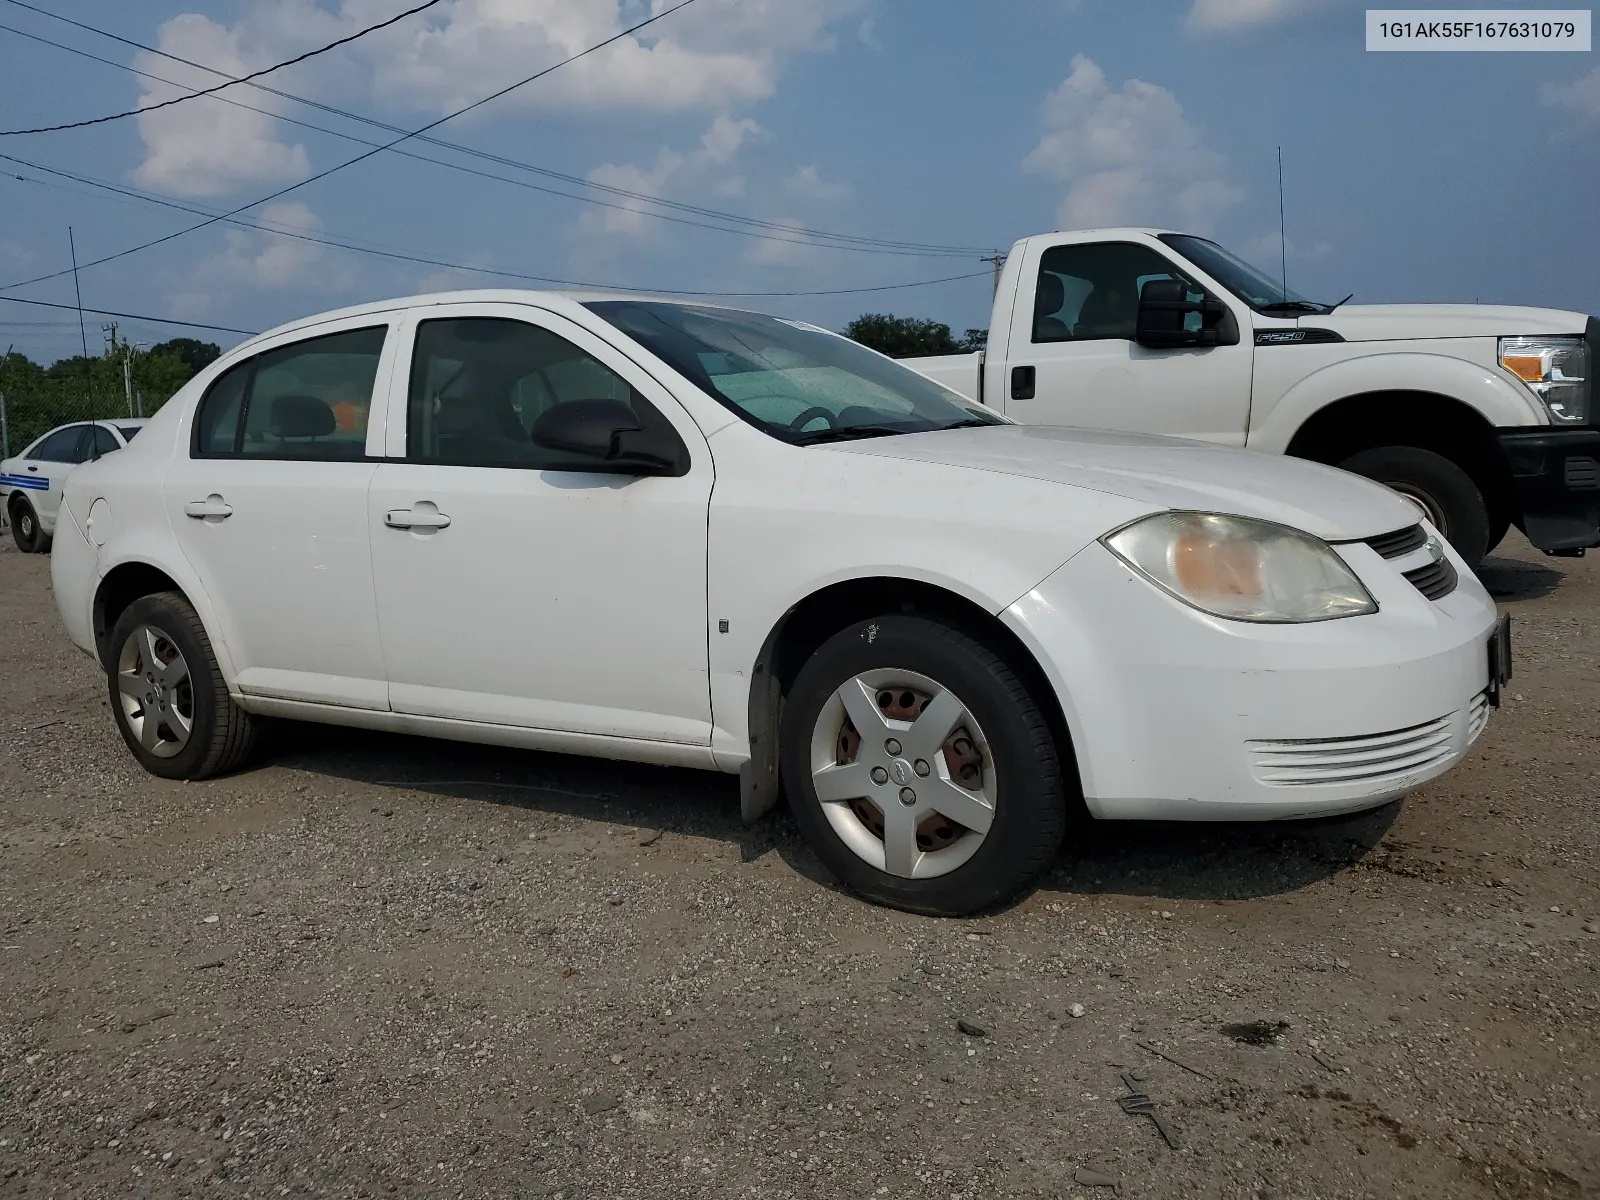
[(692, 535), (30, 483)]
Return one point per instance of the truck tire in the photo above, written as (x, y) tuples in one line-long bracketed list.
[(1452, 500), (920, 769), (168, 696), (25, 531)]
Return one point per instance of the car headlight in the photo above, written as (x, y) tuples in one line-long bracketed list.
[(1556, 369), (1241, 568)]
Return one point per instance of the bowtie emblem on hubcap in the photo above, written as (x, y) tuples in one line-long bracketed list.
[(900, 771)]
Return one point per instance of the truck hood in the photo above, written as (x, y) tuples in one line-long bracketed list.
[(1165, 473), (1398, 322)]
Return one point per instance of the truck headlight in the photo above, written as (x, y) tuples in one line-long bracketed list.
[(1556, 369), (1241, 568)]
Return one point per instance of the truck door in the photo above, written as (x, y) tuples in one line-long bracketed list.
[(1071, 358)]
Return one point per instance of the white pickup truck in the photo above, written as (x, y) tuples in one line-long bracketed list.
[(1485, 416)]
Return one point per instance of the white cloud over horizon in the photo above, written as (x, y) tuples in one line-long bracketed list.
[(1128, 156), (1581, 96)]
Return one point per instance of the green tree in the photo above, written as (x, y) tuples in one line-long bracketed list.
[(195, 354), (909, 337)]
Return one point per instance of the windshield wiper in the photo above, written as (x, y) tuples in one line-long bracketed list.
[(1305, 306), (847, 433)]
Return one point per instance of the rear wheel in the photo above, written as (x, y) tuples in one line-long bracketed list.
[(25, 531), (920, 769), (168, 695), (1439, 490)]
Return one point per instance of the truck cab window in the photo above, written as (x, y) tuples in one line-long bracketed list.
[(1089, 292)]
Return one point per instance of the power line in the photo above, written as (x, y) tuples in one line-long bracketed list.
[(788, 232), (370, 153), (300, 58), (300, 234), (106, 312)]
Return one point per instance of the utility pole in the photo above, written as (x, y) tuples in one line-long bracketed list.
[(127, 375), (5, 430), (999, 260)]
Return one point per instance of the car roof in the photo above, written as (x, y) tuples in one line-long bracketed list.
[(544, 298)]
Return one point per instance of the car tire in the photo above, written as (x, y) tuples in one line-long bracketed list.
[(168, 696), (25, 531), (1452, 500), (922, 667)]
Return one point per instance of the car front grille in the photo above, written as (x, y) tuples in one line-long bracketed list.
[(1435, 580), (1400, 543), (1333, 761)]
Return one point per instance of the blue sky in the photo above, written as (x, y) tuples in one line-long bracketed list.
[(946, 123)]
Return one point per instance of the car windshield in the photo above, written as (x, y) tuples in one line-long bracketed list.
[(127, 431), (1255, 287), (799, 383)]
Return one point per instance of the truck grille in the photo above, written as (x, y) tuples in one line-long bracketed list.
[(1399, 544), (1435, 580), (1369, 759)]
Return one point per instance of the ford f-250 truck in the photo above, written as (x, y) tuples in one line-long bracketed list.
[(1484, 416)]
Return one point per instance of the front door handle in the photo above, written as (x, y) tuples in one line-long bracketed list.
[(422, 515), (1022, 383), (33, 468), (213, 507)]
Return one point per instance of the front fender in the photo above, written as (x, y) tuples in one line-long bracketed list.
[(1493, 395)]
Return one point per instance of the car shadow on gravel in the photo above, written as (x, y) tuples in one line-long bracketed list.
[(1171, 860), (1518, 579)]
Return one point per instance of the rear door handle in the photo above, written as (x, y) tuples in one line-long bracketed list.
[(213, 507), (419, 516), (1022, 383)]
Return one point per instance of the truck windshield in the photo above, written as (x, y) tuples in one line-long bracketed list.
[(1255, 287), (794, 381)]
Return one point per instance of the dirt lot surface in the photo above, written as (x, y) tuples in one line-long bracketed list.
[(375, 966)]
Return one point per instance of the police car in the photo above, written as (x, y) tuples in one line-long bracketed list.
[(30, 483)]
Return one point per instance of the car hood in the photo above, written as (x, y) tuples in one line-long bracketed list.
[(1397, 322), (1165, 473)]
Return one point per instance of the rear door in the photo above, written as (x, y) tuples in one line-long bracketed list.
[(1071, 358), (520, 586), (269, 502)]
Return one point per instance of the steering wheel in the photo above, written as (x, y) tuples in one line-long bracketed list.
[(810, 415)]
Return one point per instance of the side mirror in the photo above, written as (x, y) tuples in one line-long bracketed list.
[(1163, 322), (607, 431)]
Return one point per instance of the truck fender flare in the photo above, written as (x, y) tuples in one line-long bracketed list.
[(1496, 399)]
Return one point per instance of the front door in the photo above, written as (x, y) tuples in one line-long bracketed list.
[(1072, 359), (269, 503), (42, 471), (517, 585)]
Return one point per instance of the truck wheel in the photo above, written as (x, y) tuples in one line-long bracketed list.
[(25, 531), (920, 769), (1443, 490), (168, 695)]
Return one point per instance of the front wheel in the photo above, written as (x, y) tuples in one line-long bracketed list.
[(1439, 490), (168, 695), (25, 531), (920, 769)]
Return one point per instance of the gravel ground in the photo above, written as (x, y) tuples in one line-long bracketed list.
[(376, 965)]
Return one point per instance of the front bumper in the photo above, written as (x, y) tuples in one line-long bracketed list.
[(1557, 477), (1176, 715)]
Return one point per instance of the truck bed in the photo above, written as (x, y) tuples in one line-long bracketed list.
[(958, 372)]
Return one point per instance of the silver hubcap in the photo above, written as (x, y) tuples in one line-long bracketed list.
[(903, 773), (156, 692), (27, 525)]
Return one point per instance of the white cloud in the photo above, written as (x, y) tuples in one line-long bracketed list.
[(1128, 156), (207, 147), (808, 184), (712, 55), (254, 261), (1206, 15), (671, 171), (1581, 96)]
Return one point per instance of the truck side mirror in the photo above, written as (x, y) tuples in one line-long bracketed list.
[(1164, 310)]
